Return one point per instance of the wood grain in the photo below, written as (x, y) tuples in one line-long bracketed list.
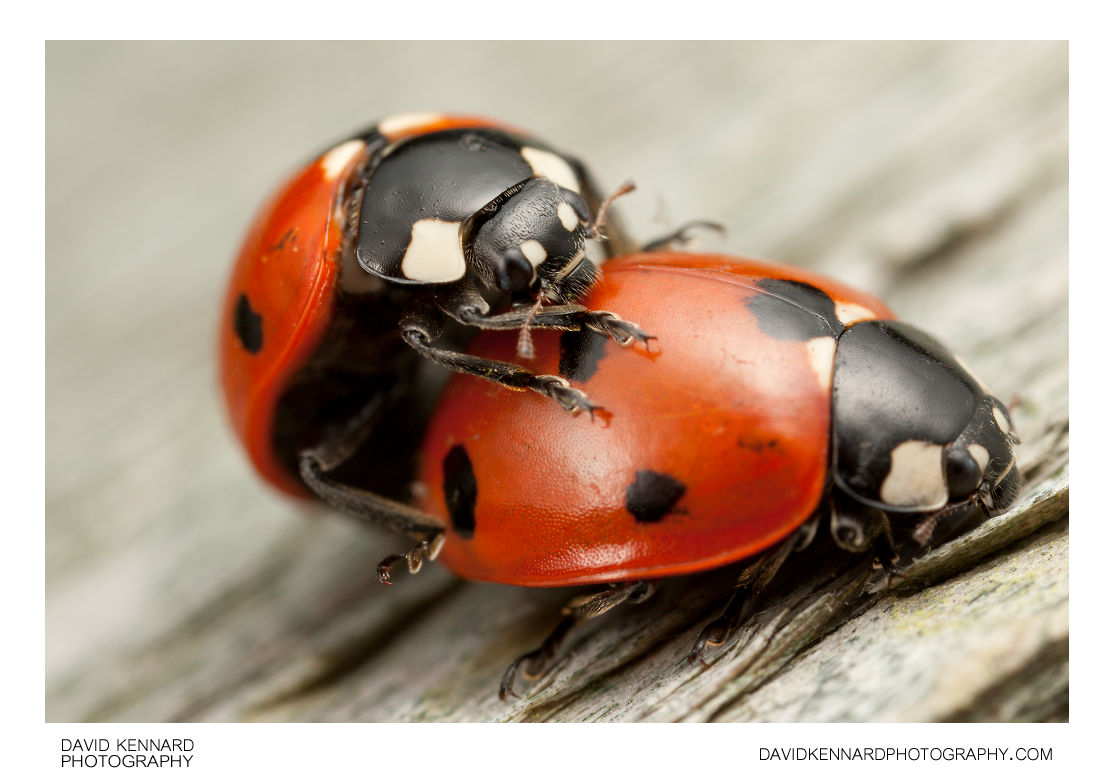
[(934, 175)]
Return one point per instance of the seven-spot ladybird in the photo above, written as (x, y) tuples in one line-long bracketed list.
[(373, 247), (774, 401)]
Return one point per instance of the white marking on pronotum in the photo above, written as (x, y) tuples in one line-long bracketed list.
[(849, 313), (400, 123), (336, 160), (821, 356), (916, 478), (567, 215), (980, 454), (434, 254), (552, 167), (1000, 418), (534, 251)]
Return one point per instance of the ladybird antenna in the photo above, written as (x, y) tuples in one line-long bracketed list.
[(597, 224), (525, 347)]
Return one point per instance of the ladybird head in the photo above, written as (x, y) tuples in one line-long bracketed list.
[(531, 240), (981, 463), (981, 473), (916, 434)]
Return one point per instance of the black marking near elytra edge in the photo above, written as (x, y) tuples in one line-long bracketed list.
[(792, 310), (651, 496), (460, 491), (758, 444), (289, 235), (581, 352), (248, 325)]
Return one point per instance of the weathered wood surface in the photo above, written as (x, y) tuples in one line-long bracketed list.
[(934, 175)]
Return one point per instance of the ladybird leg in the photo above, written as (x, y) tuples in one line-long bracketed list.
[(533, 664), (683, 237), (858, 528), (806, 533), (621, 331), (855, 526), (419, 337), (468, 307), (427, 549), (886, 559), (376, 509), (748, 587), (340, 442), (566, 317), (333, 450)]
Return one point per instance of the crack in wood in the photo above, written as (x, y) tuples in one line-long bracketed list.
[(1038, 691), (357, 652)]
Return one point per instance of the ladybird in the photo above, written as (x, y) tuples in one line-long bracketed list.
[(774, 402), (392, 246)]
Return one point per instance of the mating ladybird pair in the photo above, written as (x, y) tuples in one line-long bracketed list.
[(769, 404)]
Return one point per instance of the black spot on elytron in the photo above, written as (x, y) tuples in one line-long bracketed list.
[(758, 444), (460, 491), (792, 310), (581, 352), (248, 325), (651, 496)]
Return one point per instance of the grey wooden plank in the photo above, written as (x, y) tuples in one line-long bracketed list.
[(178, 588)]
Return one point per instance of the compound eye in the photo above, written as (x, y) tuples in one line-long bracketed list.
[(513, 271), (964, 474), (579, 206)]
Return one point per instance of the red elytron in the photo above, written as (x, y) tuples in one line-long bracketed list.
[(282, 295), (280, 302), (712, 446)]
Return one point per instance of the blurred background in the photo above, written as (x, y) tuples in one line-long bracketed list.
[(180, 588)]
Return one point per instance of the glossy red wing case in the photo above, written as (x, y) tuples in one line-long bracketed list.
[(712, 446), (280, 300)]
